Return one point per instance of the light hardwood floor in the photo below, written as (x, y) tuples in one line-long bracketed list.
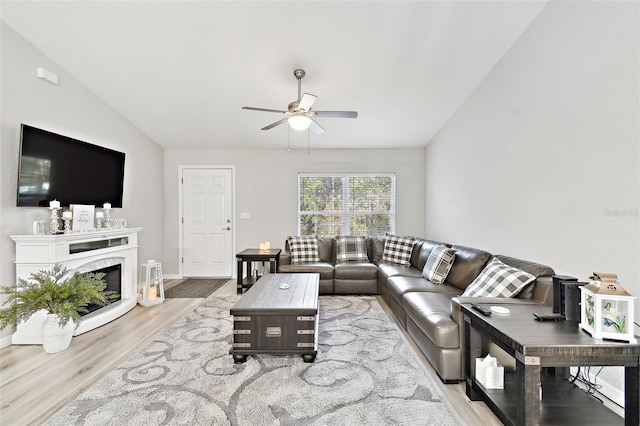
[(34, 385)]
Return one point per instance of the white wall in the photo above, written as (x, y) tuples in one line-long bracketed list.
[(542, 161), (266, 187), (70, 109)]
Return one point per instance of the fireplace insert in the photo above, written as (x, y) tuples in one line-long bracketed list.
[(113, 278)]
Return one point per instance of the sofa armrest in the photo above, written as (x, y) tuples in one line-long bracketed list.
[(285, 258)]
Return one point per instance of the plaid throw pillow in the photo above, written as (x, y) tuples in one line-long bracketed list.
[(498, 280), (439, 264), (398, 249), (303, 249), (351, 249)]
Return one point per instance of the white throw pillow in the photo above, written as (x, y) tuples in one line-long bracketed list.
[(398, 249), (303, 249)]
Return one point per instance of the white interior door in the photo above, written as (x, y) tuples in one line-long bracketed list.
[(207, 228)]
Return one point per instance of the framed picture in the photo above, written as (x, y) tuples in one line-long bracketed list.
[(82, 217)]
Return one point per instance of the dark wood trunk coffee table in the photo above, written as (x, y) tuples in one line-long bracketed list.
[(277, 315)]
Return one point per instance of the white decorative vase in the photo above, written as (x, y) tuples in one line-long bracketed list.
[(55, 338)]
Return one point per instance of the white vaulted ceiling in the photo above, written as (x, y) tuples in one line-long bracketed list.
[(181, 70)]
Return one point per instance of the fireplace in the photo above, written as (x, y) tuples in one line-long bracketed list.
[(114, 252), (113, 278)]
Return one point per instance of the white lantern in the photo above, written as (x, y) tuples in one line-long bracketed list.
[(150, 285), (606, 310)]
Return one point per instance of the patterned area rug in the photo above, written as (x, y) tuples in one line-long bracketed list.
[(195, 288), (364, 374)]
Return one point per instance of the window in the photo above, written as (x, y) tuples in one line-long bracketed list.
[(346, 204)]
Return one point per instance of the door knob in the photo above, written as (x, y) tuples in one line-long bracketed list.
[(228, 228)]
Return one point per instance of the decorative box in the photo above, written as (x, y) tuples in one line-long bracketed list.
[(607, 309), (489, 373)]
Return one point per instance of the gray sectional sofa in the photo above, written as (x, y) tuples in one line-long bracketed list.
[(429, 312)]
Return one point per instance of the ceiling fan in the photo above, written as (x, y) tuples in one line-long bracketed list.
[(299, 113)]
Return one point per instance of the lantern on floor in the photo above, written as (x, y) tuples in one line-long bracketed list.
[(606, 310), (150, 285)]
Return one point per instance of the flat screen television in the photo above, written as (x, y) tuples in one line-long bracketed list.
[(58, 167)]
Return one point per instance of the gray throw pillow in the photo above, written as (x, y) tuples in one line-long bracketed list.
[(351, 249), (439, 264)]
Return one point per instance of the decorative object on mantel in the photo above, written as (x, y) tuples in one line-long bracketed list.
[(150, 285), (83, 217), (99, 220), (607, 309), (67, 216), (39, 227), (107, 215), (54, 206), (63, 295)]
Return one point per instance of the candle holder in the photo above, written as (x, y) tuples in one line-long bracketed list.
[(107, 218), (67, 224), (99, 223), (54, 225)]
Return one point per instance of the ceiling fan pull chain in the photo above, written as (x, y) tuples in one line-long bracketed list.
[(308, 144)]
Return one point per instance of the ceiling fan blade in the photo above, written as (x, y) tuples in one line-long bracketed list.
[(307, 101), (277, 123), (315, 127), (265, 110), (336, 114)]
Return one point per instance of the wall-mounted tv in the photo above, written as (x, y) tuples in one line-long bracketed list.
[(58, 167)]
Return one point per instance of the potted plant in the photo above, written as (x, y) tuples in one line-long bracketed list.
[(63, 295)]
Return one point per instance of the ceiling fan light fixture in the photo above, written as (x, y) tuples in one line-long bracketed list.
[(299, 122)]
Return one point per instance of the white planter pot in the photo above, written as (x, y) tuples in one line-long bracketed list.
[(55, 338)]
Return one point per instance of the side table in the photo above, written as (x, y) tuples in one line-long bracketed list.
[(536, 345), (255, 255)]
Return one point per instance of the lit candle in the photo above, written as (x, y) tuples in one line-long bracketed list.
[(106, 206), (99, 215), (55, 204), (67, 215)]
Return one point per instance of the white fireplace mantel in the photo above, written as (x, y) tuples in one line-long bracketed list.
[(81, 252)]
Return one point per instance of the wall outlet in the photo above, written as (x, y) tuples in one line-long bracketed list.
[(245, 215)]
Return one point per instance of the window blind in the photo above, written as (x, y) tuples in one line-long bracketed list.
[(346, 203)]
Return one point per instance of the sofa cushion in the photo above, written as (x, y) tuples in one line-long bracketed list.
[(398, 286), (398, 249), (467, 266), (356, 271), (431, 313), (324, 269), (498, 280), (377, 248), (304, 249), (439, 264), (351, 249), (393, 269)]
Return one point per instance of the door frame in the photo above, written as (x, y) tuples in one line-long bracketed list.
[(180, 212)]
